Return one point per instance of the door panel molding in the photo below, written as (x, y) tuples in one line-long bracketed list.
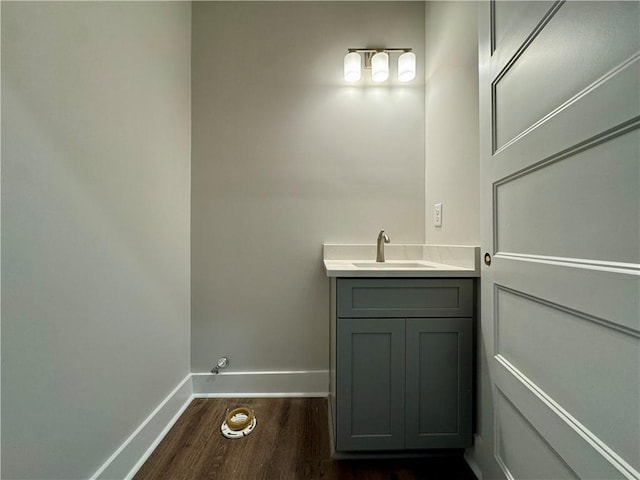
[(561, 140), (619, 74), (560, 351), (602, 322), (522, 20), (617, 90), (534, 82), (572, 150), (553, 207), (611, 294), (502, 62), (572, 441), (533, 441), (601, 265)]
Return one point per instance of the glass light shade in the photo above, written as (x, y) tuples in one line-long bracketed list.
[(352, 66), (380, 67), (407, 67)]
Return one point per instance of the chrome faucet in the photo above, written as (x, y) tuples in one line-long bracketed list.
[(382, 239)]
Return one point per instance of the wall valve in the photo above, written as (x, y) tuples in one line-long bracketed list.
[(223, 362)]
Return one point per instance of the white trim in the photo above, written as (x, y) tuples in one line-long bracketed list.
[(475, 468), (136, 449), (262, 395), (503, 467), (120, 460), (601, 265), (158, 439), (283, 383), (258, 372)]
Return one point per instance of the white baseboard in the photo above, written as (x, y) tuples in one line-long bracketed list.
[(298, 383), (127, 459), (473, 466)]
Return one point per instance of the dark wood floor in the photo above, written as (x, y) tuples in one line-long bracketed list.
[(290, 441)]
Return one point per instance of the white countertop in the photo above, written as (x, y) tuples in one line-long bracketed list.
[(425, 261)]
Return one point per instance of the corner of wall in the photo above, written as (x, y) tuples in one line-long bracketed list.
[(452, 165)]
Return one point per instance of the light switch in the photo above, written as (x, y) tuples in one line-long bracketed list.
[(437, 215)]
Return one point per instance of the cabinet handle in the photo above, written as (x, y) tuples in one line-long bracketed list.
[(487, 259)]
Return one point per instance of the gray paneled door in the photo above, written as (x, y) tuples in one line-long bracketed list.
[(560, 111), (370, 380), (438, 382)]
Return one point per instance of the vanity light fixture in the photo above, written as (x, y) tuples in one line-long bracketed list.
[(407, 67), (377, 60), (352, 67), (380, 67)]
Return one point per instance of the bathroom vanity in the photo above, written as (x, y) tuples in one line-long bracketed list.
[(401, 349)]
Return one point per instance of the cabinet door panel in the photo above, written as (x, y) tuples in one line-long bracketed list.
[(438, 382), (370, 382)]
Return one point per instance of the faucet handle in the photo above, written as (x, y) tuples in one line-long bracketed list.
[(383, 236)]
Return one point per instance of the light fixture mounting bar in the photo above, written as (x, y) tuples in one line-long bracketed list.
[(376, 50), (370, 52)]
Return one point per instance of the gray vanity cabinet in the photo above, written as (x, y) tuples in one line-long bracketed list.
[(403, 367)]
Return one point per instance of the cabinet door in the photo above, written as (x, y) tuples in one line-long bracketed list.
[(370, 384), (438, 382)]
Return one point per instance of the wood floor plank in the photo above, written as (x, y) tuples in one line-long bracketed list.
[(289, 442)]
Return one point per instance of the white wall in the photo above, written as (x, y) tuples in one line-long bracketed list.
[(95, 237), (452, 167), (286, 157)]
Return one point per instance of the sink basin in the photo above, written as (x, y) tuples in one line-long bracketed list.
[(390, 265)]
